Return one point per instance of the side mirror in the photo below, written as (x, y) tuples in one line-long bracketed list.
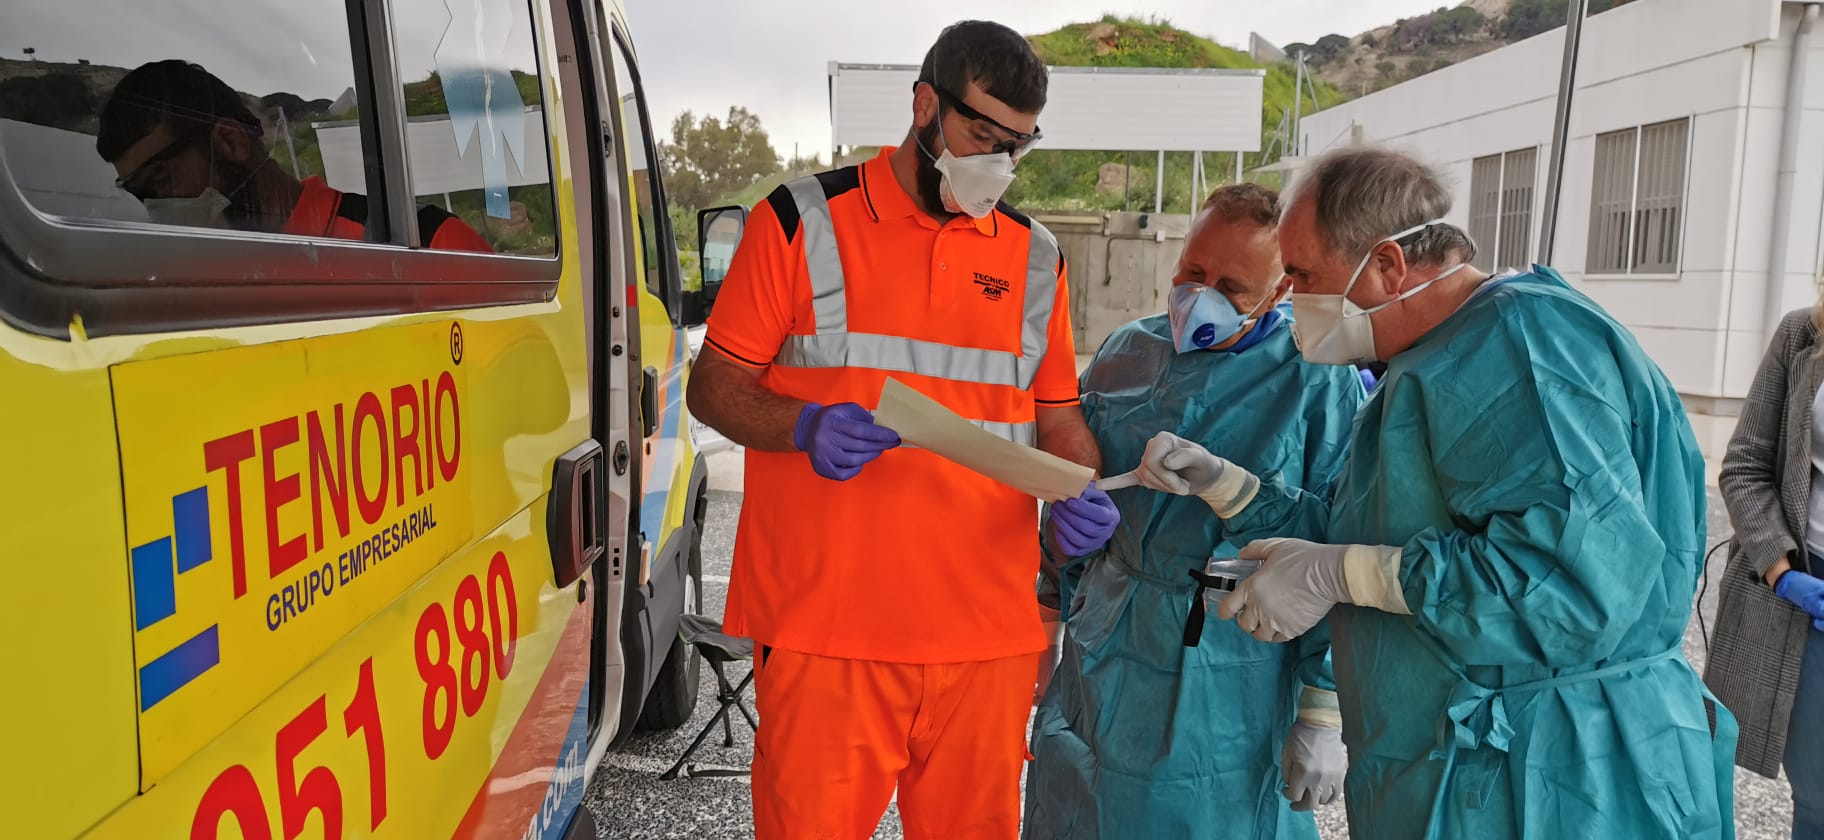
[(718, 232)]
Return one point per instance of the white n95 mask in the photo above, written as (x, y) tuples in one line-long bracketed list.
[(1333, 330), (974, 184), (202, 210)]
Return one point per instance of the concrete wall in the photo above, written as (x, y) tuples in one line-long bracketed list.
[(1120, 267), (1721, 63)]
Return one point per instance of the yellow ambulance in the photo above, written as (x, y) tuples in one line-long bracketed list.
[(348, 489)]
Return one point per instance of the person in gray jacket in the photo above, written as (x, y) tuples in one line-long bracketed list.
[(1768, 664)]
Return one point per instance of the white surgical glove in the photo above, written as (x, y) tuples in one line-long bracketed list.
[(1299, 581), (1178, 466), (1314, 764)]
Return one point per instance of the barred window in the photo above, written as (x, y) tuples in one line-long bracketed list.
[(1501, 209), (1637, 199)]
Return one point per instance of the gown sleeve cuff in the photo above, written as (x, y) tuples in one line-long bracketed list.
[(1372, 573), (1233, 492), (1318, 707)]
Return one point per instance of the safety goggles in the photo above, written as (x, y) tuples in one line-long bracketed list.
[(1017, 144), (146, 180)]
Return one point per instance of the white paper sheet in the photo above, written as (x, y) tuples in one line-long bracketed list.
[(1131, 478), (927, 424)]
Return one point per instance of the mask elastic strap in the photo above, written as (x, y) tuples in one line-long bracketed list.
[(1254, 314), (1357, 276), (1249, 318), (920, 142), (1416, 289)]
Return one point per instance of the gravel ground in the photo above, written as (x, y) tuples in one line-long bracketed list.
[(630, 802)]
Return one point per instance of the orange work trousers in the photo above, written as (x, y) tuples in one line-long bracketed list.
[(837, 736)]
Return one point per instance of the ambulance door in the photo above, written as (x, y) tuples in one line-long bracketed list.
[(613, 374)]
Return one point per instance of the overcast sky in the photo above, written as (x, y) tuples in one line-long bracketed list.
[(772, 56)]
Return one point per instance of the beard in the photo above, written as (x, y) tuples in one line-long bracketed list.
[(930, 181)]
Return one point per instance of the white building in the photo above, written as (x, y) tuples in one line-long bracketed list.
[(1670, 197)]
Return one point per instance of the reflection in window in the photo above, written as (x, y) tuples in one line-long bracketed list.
[(718, 246), (645, 173), (476, 131), (124, 113)]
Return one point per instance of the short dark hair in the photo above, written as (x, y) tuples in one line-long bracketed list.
[(173, 92), (1244, 203), (996, 58)]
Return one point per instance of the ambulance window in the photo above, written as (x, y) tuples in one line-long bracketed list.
[(476, 132), (649, 193), (211, 113)]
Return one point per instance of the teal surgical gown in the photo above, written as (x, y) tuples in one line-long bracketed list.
[(1139, 736), (1542, 478)]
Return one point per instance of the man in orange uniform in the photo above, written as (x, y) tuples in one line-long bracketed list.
[(893, 605), (186, 145)]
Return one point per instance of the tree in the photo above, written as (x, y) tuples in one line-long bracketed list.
[(1526, 18), (1329, 47), (1460, 23), (683, 227), (709, 159), (805, 165)]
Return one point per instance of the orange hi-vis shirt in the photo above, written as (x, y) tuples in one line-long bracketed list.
[(839, 281), (325, 211)]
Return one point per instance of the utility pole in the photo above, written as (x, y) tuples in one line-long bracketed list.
[(290, 148), (1298, 106), (1567, 85)]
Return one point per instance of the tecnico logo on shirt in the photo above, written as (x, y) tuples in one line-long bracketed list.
[(993, 288)]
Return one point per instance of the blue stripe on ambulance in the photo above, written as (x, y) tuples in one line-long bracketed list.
[(565, 794), (666, 449)]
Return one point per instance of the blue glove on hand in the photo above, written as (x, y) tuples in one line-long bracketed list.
[(840, 439), (1806, 591), (1084, 524)]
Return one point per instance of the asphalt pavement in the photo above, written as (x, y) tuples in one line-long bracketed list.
[(630, 802)]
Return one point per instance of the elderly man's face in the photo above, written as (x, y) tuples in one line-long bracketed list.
[(1239, 259), (1310, 265)]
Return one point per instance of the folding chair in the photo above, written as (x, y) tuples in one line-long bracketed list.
[(718, 648)]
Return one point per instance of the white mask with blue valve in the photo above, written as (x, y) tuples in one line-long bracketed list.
[(1202, 317)]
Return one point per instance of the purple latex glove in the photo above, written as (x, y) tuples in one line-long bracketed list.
[(840, 439), (1806, 591), (1084, 524)]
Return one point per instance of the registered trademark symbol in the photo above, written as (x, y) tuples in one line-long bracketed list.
[(456, 343)]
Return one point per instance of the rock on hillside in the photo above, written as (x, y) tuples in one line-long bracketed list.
[(1414, 46)]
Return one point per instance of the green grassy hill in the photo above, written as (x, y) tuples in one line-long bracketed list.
[(1060, 180), (1127, 42)]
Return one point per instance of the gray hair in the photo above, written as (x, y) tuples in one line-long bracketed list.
[(1365, 194)]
